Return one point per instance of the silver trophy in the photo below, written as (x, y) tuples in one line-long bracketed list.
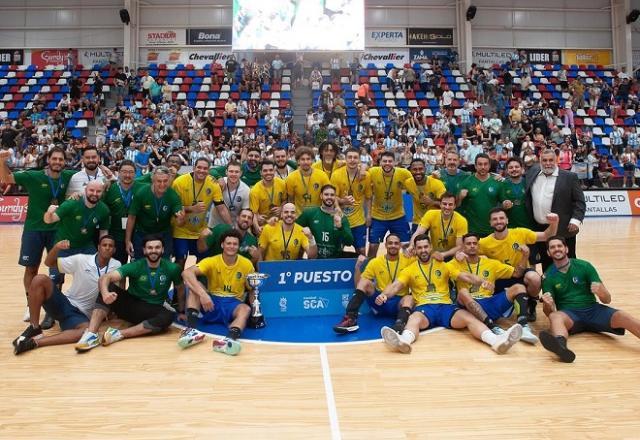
[(255, 280)]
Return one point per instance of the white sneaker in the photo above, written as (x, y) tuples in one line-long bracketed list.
[(88, 341), (111, 335), (508, 340), (528, 336), (27, 316), (190, 337), (393, 340)]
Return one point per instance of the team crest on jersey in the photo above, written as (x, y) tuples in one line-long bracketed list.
[(163, 278), (238, 275), (438, 273), (474, 190), (208, 191), (238, 199), (576, 280), (361, 187), (491, 189), (515, 246), (143, 278), (316, 186), (295, 242), (485, 273), (95, 221), (165, 208)]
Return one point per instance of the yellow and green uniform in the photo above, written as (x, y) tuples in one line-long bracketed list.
[(518, 215), (213, 241), (118, 200), (453, 183), (359, 187), (151, 285), (444, 232), (486, 268), (432, 187), (43, 191), (571, 290), (225, 280), (481, 198), (507, 250), (78, 223), (337, 164), (262, 199), (429, 282), (387, 193), (330, 240), (153, 214), (282, 245), (384, 272), (304, 191), (190, 192)]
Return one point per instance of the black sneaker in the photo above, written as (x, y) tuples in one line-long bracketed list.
[(399, 326), (29, 333), (531, 310), (349, 324), (24, 345), (554, 345), (47, 322)]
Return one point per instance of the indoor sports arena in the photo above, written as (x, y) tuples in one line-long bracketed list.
[(285, 219)]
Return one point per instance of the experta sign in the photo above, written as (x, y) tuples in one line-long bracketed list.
[(430, 37), (209, 37), (380, 37), (306, 287)]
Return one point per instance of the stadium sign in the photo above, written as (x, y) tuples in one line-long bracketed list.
[(209, 37), (161, 37), (379, 37), (11, 57), (430, 37), (487, 57), (383, 57)]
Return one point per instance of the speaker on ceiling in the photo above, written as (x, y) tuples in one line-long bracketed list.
[(124, 16), (471, 12), (633, 16)]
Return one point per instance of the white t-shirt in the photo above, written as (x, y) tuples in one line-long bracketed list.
[(84, 288), (80, 179), (240, 197)]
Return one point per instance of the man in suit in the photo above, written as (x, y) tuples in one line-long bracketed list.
[(550, 189)]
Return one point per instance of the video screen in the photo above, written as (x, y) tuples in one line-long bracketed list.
[(298, 25)]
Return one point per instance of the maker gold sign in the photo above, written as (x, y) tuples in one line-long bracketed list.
[(430, 37)]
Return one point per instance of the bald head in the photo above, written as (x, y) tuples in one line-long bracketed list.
[(93, 191)]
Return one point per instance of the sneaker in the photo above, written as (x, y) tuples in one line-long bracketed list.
[(497, 330), (553, 344), (190, 337), (528, 336), (508, 340), (27, 315), (349, 324), (25, 345), (88, 341), (47, 322), (227, 346), (393, 341), (111, 335), (29, 333)]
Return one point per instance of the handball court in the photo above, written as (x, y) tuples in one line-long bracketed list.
[(451, 386)]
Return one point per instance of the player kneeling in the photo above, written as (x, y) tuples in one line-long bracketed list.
[(223, 300)]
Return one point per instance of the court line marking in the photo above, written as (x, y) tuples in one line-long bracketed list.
[(306, 344), (328, 389)]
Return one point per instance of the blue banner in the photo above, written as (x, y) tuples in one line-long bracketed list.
[(306, 287), (419, 55)]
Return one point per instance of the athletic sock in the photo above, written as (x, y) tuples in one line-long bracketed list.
[(403, 315), (488, 337), (489, 322), (522, 301), (234, 333), (408, 336), (355, 302), (192, 317)]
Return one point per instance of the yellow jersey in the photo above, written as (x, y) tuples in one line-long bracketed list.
[(304, 191), (429, 282), (486, 268), (507, 250), (224, 280), (432, 187), (337, 164), (191, 192), (281, 245), (384, 272), (388, 203), (262, 199), (444, 233), (359, 187)]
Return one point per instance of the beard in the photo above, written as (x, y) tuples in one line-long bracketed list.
[(154, 257)]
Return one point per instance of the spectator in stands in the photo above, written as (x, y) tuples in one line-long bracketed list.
[(230, 110), (409, 76), (507, 81), (617, 140), (447, 99), (277, 66), (605, 170), (562, 77), (628, 159), (594, 93), (565, 157), (577, 91), (363, 94), (230, 67)]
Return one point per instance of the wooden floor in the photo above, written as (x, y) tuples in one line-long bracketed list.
[(450, 387)]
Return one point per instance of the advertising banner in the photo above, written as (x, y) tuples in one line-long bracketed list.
[(306, 287), (540, 56), (382, 57), (13, 209), (587, 56), (209, 37), (378, 37), (612, 203), (425, 55), (197, 57), (53, 57), (487, 57), (12, 57), (162, 37), (430, 37), (90, 57)]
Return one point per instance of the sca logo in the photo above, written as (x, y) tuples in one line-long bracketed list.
[(314, 303)]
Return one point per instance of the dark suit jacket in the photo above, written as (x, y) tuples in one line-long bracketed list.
[(568, 198)]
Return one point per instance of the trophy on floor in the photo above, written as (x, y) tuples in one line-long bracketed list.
[(255, 280)]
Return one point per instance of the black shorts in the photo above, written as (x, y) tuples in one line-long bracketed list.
[(505, 284), (595, 318)]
